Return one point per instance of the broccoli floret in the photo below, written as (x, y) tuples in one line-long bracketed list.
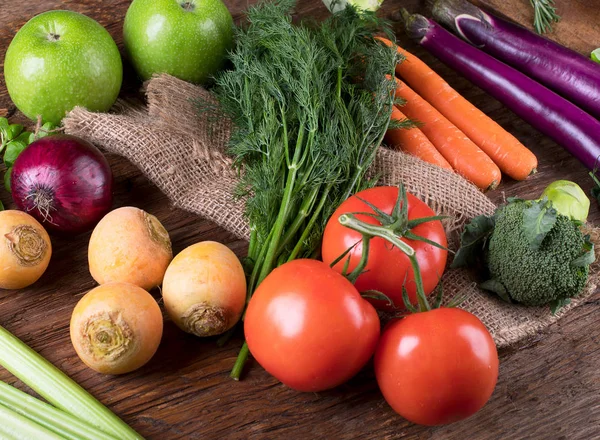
[(535, 276), (528, 253)]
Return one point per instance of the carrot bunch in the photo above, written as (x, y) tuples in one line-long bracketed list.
[(454, 133)]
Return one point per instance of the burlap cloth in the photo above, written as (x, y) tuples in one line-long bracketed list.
[(184, 155)]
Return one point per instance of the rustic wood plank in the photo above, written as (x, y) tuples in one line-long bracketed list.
[(548, 388)]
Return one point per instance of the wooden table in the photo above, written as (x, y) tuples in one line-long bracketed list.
[(548, 389)]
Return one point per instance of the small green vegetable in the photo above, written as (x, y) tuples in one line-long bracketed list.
[(531, 254), (568, 199), (595, 56)]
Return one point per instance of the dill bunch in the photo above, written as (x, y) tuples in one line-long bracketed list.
[(310, 104)]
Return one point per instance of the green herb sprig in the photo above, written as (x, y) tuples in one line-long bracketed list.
[(544, 15), (310, 104)]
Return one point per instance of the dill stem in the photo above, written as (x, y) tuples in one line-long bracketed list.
[(252, 245), (311, 223), (305, 209), (236, 372), (273, 244), (257, 265), (350, 189)]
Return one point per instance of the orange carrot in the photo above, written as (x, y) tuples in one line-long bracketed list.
[(465, 157), (513, 158), (413, 141)]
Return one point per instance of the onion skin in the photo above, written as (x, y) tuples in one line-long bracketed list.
[(116, 328), (204, 289), (25, 250), (64, 182), (130, 246)]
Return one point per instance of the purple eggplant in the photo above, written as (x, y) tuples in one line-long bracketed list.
[(553, 115), (567, 72)]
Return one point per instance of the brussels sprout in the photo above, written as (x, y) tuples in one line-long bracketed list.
[(568, 199)]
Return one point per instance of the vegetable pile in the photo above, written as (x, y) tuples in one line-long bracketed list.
[(310, 106)]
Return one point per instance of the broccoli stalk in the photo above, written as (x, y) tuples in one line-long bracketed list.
[(528, 253)]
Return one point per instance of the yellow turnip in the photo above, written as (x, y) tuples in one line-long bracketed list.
[(25, 250), (130, 246), (204, 289), (116, 328)]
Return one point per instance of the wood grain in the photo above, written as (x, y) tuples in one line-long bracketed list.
[(548, 388)]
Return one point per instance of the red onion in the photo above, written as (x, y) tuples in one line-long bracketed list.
[(64, 182)]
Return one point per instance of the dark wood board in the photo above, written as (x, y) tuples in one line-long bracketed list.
[(549, 388)]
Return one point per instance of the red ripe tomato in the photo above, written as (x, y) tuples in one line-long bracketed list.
[(436, 367), (309, 327), (388, 268)]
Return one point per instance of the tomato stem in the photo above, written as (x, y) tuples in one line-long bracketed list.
[(387, 233), (366, 241)]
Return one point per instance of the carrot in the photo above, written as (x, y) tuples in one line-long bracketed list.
[(413, 141), (513, 158), (465, 157)]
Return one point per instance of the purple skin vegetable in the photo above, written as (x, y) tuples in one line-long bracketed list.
[(551, 114), (567, 72)]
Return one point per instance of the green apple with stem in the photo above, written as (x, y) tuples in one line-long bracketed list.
[(59, 60), (188, 39)]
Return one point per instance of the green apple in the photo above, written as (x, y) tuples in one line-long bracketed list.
[(188, 39), (59, 60)]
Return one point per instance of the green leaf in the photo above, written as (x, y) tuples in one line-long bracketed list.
[(558, 304), (473, 241), (24, 137), (496, 287), (13, 131), (588, 256), (378, 296), (1, 206), (13, 149), (538, 220), (3, 123), (595, 55), (7, 179)]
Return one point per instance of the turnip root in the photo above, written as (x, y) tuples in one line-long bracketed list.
[(25, 250), (204, 289), (116, 328), (130, 246)]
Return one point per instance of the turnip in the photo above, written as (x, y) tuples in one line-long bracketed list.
[(116, 328), (25, 250), (204, 289), (131, 246)]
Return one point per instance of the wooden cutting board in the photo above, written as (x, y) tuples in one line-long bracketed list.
[(548, 389)]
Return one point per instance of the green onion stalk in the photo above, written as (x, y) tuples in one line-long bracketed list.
[(57, 388), (59, 422), (310, 105)]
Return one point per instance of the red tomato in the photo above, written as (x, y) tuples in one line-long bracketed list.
[(388, 268), (436, 367), (309, 327)]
